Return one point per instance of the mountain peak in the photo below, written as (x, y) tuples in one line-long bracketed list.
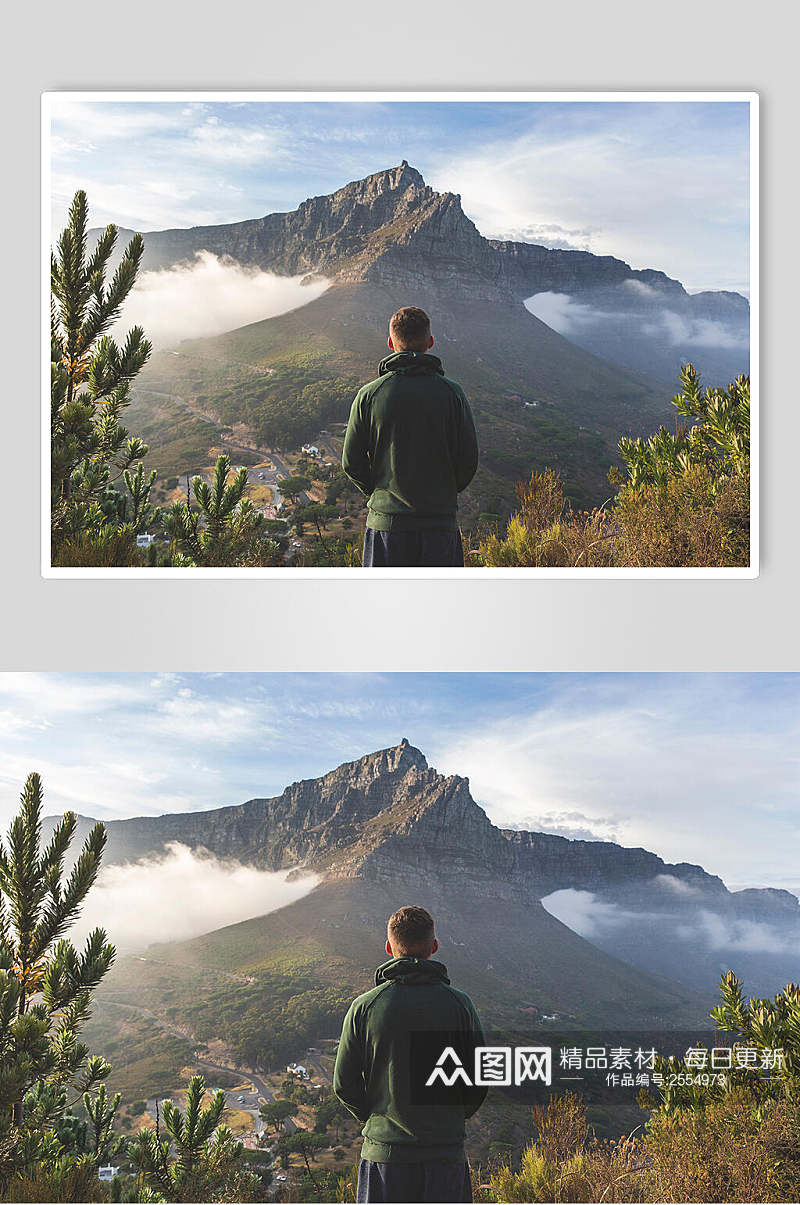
[(394, 760), (400, 177), (386, 186)]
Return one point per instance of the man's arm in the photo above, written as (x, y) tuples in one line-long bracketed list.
[(348, 1074), (466, 456), (355, 457), (474, 1097)]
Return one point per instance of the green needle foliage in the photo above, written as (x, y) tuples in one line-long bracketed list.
[(91, 377), (224, 528), (198, 1160), (46, 986)]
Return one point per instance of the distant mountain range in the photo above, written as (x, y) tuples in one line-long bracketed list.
[(389, 240), (388, 829)]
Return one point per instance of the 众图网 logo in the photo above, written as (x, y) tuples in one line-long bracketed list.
[(498, 1066)]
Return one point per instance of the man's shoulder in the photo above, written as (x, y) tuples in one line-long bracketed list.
[(462, 997), (454, 387), (367, 389), (363, 1001)]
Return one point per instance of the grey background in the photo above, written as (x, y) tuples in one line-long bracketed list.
[(395, 625)]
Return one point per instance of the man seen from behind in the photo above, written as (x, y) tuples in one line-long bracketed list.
[(413, 1145), (411, 448)]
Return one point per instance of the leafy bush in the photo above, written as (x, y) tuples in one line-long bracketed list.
[(729, 1151)]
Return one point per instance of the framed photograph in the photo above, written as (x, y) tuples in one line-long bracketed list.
[(400, 334), (347, 912)]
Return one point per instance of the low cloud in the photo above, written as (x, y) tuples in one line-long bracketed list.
[(599, 920), (678, 886), (568, 316), (755, 937), (584, 913), (562, 312), (640, 288), (697, 332), (208, 296), (182, 894)]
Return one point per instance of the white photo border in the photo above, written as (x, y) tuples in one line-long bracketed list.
[(50, 100)]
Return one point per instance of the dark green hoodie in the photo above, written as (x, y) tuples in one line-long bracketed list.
[(372, 1077), (410, 444)]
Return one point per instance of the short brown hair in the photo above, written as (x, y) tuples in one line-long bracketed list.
[(410, 327), (411, 929)]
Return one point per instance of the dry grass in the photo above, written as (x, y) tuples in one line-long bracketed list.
[(729, 1151), (258, 493), (692, 520)]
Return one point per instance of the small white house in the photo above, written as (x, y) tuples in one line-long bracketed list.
[(310, 449), (144, 540), (107, 1173)]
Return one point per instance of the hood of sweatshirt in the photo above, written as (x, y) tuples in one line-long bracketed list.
[(411, 363), (411, 970)]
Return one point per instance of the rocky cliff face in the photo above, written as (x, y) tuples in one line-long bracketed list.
[(551, 862), (383, 227)]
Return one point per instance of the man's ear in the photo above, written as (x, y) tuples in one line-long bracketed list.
[(391, 344), (430, 342), (389, 948), (435, 945)]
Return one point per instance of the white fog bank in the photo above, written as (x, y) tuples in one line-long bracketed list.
[(208, 296), (181, 895)]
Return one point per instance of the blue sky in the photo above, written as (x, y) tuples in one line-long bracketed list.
[(697, 767), (659, 184)]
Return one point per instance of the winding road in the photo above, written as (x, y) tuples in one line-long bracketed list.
[(260, 1088)]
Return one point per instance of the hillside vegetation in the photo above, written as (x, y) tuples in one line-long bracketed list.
[(684, 502)]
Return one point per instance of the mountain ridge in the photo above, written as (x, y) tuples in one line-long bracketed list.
[(358, 817), (361, 207), (388, 828), (555, 378)]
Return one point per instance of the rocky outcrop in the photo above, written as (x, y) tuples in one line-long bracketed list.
[(551, 863), (528, 268)]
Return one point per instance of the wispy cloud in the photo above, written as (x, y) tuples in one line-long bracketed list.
[(641, 182), (643, 750)]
